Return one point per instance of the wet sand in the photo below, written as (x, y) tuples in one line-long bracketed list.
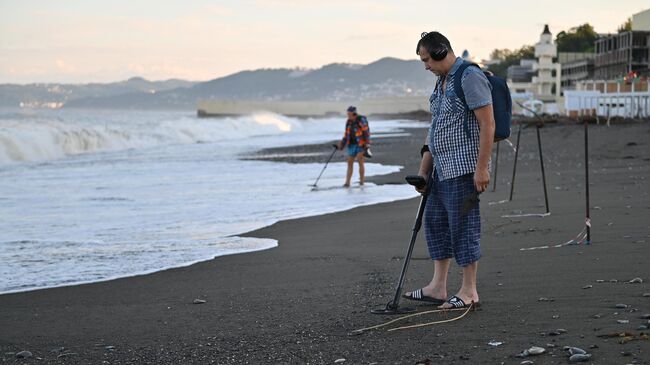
[(297, 303)]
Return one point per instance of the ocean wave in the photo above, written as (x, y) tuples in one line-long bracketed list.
[(49, 137)]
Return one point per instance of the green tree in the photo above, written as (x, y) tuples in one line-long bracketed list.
[(509, 58), (577, 39), (625, 27)]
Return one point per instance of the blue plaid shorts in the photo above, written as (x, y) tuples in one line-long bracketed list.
[(448, 232)]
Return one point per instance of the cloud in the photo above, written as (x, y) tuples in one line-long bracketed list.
[(63, 66)]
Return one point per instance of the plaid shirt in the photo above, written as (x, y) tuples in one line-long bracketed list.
[(454, 151)]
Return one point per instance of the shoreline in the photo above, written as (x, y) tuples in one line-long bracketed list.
[(298, 302)]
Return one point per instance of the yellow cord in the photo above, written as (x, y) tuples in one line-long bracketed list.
[(434, 322), (414, 315)]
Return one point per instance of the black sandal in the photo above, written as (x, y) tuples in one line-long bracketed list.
[(418, 296), (456, 302)]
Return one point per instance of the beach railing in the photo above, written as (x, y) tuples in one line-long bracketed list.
[(632, 104)]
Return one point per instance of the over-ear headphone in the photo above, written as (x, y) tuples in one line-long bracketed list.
[(439, 53)]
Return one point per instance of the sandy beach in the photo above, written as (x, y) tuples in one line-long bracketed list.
[(298, 303)]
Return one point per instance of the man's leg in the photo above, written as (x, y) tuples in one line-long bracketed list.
[(348, 175), (465, 232), (437, 288), (362, 169)]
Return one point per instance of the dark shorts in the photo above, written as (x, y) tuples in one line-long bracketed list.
[(448, 233)]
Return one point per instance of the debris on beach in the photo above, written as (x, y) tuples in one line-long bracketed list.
[(199, 301), (337, 361), (621, 306), (636, 281), (622, 321), (495, 343), (625, 337), (587, 287)]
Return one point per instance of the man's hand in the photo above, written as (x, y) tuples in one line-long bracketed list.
[(481, 179), (422, 189)]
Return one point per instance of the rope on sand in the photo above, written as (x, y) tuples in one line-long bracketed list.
[(361, 330), (581, 238)]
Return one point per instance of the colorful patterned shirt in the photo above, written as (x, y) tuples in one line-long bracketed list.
[(358, 134)]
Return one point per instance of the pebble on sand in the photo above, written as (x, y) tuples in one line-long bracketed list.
[(24, 355), (575, 350), (527, 362), (646, 294), (199, 301), (579, 357), (621, 306), (535, 350), (623, 321), (339, 361), (636, 281)]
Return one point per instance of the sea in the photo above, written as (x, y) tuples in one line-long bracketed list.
[(87, 196)]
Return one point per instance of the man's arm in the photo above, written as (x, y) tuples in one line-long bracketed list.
[(365, 129), (485, 117), (426, 164)]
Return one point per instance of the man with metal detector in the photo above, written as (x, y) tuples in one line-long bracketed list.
[(357, 140), (455, 156)]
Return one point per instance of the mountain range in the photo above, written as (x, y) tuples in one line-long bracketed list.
[(387, 77)]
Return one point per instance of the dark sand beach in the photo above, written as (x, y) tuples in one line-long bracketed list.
[(298, 303)]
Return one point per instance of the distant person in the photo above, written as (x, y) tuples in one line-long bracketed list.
[(456, 156), (357, 140)]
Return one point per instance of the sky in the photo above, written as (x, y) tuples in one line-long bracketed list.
[(81, 41)]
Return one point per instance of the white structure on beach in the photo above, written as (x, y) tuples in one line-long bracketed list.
[(544, 86)]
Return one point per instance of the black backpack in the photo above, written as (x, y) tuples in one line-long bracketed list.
[(501, 101)]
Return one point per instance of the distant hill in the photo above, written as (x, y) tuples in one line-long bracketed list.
[(387, 77), (44, 94)]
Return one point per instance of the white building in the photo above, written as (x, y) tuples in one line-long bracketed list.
[(544, 82)]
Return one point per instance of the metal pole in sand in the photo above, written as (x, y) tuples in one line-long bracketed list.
[(496, 166), (587, 218), (514, 167), (541, 161)]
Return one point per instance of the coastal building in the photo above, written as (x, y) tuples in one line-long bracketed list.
[(576, 66), (546, 85), (624, 53), (521, 73)]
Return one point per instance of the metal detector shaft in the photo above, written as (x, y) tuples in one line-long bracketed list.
[(324, 167), (407, 259)]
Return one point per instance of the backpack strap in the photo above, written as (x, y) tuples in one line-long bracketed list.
[(458, 88)]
